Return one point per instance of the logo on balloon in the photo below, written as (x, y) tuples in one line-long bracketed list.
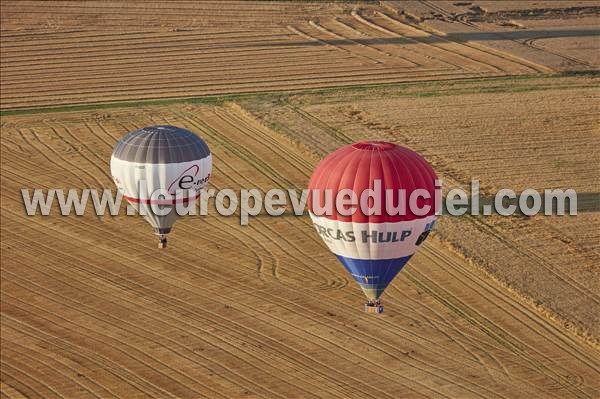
[(189, 180)]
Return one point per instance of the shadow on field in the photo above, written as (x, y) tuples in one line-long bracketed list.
[(523, 34)]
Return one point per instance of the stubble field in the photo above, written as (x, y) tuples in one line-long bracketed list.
[(489, 308), (66, 53)]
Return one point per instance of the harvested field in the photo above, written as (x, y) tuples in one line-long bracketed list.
[(65, 52), (559, 35), (90, 308), (491, 307), (507, 134)]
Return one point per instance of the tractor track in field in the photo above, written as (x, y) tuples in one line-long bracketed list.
[(105, 291), (345, 45), (90, 308)]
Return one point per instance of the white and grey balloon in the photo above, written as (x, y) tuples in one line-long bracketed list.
[(159, 159)]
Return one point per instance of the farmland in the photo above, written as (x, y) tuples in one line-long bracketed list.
[(491, 307), (99, 52)]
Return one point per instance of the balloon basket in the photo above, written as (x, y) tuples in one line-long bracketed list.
[(373, 308), (162, 242)]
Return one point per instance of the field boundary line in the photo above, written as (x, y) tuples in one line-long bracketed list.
[(220, 98)]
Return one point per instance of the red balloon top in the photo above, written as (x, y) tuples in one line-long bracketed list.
[(358, 167)]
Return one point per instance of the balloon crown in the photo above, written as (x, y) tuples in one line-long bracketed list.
[(373, 145)]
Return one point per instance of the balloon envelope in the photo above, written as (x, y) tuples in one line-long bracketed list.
[(373, 247), (165, 158)]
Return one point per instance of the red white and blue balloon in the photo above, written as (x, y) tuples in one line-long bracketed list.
[(374, 248)]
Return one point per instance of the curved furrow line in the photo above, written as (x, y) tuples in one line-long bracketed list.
[(31, 374), (314, 319), (273, 260), (488, 331), (530, 43), (504, 337), (345, 283), (116, 138), (338, 306), (103, 170), (508, 303), (189, 331), (105, 389), (61, 157), (498, 362), (77, 151), (232, 119), (14, 143), (365, 48), (214, 241), (243, 154), (81, 352), (559, 340), (91, 129), (8, 391), (38, 359), (531, 66), (303, 279), (370, 340), (444, 323), (546, 326), (25, 386), (541, 261), (276, 177), (136, 329), (486, 65), (479, 342), (51, 150), (121, 344), (192, 326), (414, 48), (187, 307), (441, 326), (511, 57)]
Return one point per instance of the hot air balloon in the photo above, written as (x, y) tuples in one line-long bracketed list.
[(373, 243), (166, 158)]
